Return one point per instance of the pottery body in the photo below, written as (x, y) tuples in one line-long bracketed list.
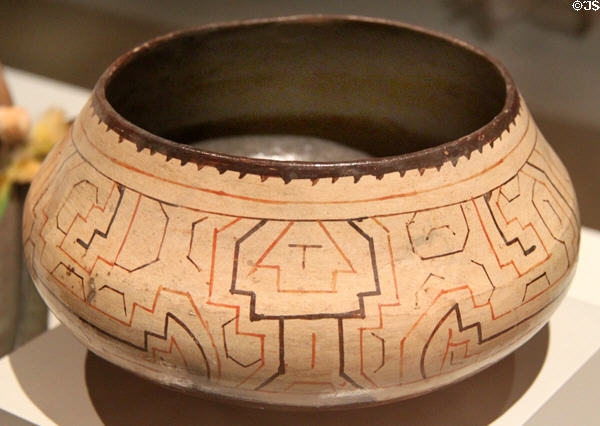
[(308, 291)]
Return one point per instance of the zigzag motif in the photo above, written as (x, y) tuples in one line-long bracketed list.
[(104, 234)]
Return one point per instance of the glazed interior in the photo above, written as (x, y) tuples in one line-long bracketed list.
[(383, 89)]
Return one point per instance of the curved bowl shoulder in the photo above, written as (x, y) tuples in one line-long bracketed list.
[(304, 293)]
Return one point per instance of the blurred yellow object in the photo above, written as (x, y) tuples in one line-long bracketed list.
[(22, 149), (46, 132), (22, 170)]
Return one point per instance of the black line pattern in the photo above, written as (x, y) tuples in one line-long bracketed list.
[(488, 277), (107, 287), (227, 354), (554, 186), (525, 251), (192, 242), (359, 313), (448, 253), (281, 370), (541, 216), (534, 280), (157, 258), (104, 234), (145, 346), (455, 309)]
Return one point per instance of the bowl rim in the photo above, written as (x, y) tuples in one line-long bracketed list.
[(433, 157)]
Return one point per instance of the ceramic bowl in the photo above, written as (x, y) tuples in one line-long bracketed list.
[(304, 284)]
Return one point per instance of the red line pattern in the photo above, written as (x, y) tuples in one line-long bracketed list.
[(90, 142), (396, 326)]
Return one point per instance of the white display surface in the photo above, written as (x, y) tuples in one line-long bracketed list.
[(53, 379)]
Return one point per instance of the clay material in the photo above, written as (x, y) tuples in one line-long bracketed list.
[(304, 284)]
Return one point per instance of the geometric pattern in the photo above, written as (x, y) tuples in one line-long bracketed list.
[(275, 305)]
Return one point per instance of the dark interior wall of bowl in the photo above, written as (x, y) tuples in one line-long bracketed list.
[(552, 51)]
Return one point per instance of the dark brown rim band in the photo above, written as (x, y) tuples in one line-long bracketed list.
[(428, 158)]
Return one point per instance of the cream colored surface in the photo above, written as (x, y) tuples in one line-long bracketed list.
[(210, 191), (62, 395), (301, 294), (561, 360)]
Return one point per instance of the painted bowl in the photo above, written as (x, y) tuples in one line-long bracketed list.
[(292, 283)]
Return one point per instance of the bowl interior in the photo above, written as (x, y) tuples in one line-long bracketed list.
[(379, 88)]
